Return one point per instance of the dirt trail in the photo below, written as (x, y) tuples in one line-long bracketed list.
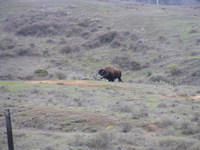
[(78, 83), (69, 83), (86, 83)]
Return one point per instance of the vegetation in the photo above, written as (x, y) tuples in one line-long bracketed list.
[(50, 54), (173, 69), (41, 72)]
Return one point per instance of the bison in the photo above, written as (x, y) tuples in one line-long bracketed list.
[(111, 73)]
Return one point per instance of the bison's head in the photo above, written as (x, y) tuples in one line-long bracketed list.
[(102, 72)]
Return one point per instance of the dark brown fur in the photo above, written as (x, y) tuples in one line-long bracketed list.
[(111, 73)]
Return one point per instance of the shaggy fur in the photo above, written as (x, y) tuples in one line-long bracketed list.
[(111, 73)]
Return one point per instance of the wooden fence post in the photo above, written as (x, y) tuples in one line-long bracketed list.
[(9, 130)]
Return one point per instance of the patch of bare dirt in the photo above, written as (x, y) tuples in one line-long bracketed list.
[(197, 97), (151, 128)]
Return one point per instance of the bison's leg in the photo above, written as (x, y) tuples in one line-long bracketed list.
[(111, 80), (119, 79)]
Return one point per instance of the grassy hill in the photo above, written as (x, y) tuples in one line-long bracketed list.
[(69, 38), (51, 51)]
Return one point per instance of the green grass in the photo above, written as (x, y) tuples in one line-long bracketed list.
[(192, 57), (14, 86), (5, 83), (41, 72)]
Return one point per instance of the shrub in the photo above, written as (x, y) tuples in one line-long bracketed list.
[(40, 29), (173, 143), (162, 79), (85, 23), (135, 37), (126, 63), (101, 140), (7, 43), (49, 148), (149, 73), (78, 140), (107, 37), (173, 69), (162, 38), (166, 122), (195, 117), (159, 78), (162, 105), (196, 74), (126, 127), (116, 44), (41, 72), (102, 39), (198, 42), (139, 46), (193, 31), (6, 77), (191, 129), (62, 41), (122, 108), (70, 49), (60, 75), (140, 114), (125, 109), (195, 147)]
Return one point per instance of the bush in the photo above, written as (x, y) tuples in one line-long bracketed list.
[(41, 72), (149, 73), (165, 122), (195, 117), (195, 147), (6, 77), (102, 39), (126, 127), (191, 129), (78, 140), (196, 74), (40, 30), (198, 42), (159, 78), (139, 46), (140, 114), (193, 31), (100, 141), (116, 44), (162, 105), (173, 69), (61, 75), (7, 43), (107, 37), (126, 63), (70, 49), (173, 143)]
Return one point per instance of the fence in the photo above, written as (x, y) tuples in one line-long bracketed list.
[(9, 130)]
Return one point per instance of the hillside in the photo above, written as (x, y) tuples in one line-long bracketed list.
[(51, 51), (75, 39), (171, 2)]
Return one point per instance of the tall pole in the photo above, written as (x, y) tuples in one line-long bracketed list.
[(9, 130), (157, 2)]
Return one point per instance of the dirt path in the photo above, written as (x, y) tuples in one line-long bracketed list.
[(84, 83)]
